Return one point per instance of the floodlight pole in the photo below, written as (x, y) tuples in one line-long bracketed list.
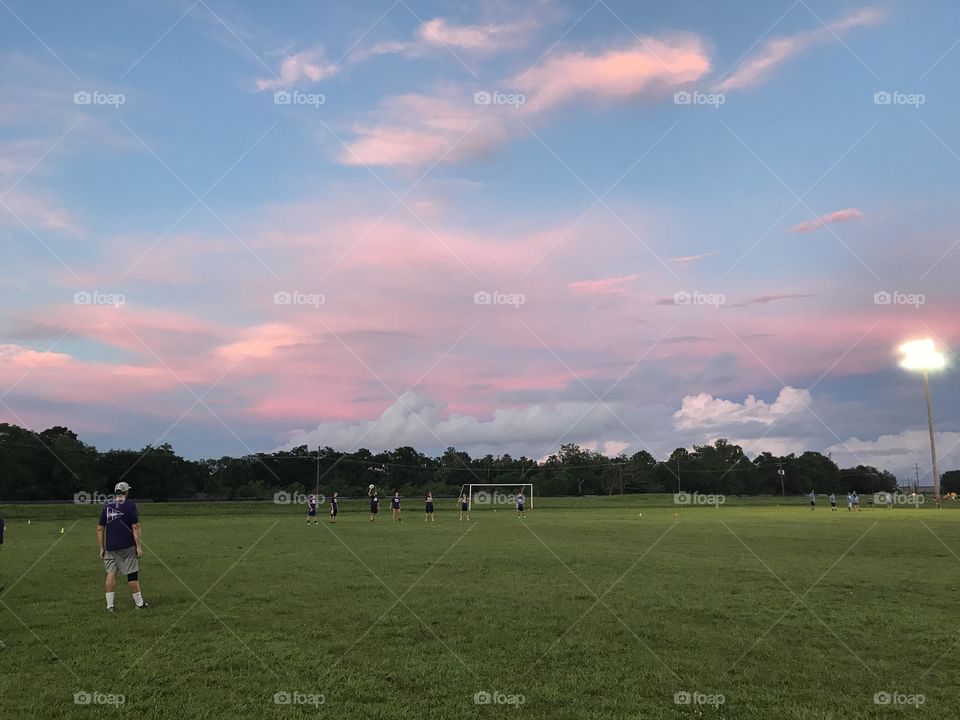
[(933, 443)]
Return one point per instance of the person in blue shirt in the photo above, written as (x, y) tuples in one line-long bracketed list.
[(395, 506), (118, 535)]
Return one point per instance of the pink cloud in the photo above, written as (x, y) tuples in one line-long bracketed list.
[(689, 259), (837, 216), (649, 64), (418, 129), (481, 38), (757, 68), (605, 286)]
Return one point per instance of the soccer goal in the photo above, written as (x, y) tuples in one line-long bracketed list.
[(503, 496)]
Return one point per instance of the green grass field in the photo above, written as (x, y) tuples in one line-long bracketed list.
[(586, 609)]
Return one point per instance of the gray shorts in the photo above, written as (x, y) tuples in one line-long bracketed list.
[(123, 560)]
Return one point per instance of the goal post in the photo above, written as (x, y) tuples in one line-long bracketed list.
[(484, 496)]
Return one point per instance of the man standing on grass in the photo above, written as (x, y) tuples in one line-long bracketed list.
[(118, 534), (833, 502), (813, 501), (1, 545)]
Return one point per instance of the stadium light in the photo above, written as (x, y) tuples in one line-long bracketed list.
[(923, 356)]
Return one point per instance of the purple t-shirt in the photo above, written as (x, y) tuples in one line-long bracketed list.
[(117, 519)]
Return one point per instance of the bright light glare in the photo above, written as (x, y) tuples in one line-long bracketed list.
[(922, 355)]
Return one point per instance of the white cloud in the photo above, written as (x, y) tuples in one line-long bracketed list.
[(704, 411), (898, 453), (308, 66)]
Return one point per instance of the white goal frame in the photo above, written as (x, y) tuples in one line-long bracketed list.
[(523, 486)]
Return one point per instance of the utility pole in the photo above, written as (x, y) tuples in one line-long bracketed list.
[(678, 476)]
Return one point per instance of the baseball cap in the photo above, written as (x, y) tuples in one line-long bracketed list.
[(122, 487)]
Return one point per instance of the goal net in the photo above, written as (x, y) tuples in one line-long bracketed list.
[(493, 496)]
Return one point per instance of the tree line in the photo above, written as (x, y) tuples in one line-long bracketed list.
[(56, 465)]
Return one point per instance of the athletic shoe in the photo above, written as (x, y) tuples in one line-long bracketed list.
[(111, 610), (145, 606)]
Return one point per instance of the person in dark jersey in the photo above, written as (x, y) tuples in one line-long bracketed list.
[(333, 508), (118, 535), (374, 504), (464, 506), (395, 506), (312, 509), (429, 513)]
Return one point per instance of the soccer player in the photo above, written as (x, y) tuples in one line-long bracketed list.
[(395, 506), (312, 509), (374, 504), (521, 511), (813, 501), (1, 545), (333, 508), (833, 502), (429, 513), (118, 535), (849, 501), (856, 502), (464, 506), (888, 500)]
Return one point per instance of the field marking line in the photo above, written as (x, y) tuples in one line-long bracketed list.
[(599, 600), (799, 599), (799, 199), (957, 641), (399, 198), (200, 600), (599, 399), (199, 199), (7, 590), (599, 200), (399, 600)]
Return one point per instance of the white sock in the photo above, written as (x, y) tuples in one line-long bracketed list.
[(110, 597), (138, 599)]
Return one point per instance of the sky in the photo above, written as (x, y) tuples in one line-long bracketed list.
[(238, 226)]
